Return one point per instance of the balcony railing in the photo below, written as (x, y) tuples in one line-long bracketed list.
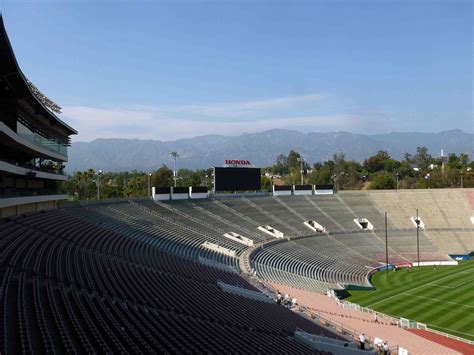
[(41, 141), (50, 169), (6, 192)]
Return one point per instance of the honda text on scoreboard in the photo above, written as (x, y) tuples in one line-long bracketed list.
[(237, 175)]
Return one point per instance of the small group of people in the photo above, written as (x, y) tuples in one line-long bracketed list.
[(381, 346), (287, 300)]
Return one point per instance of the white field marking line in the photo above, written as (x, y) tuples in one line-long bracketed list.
[(451, 287), (448, 287), (434, 283), (437, 299), (462, 283), (423, 285)]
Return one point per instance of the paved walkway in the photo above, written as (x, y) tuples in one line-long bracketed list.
[(454, 344), (364, 322)]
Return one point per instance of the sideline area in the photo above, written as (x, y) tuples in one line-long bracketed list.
[(362, 322), (441, 297)]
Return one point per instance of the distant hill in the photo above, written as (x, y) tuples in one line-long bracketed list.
[(260, 148)]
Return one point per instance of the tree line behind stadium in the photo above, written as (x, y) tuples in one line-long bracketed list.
[(416, 171)]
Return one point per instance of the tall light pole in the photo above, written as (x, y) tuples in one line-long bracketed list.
[(418, 236), (301, 160), (462, 182), (386, 243), (149, 184), (398, 177), (174, 155), (99, 173)]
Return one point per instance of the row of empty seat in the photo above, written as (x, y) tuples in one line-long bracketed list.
[(346, 256), (169, 233), (182, 227), (71, 286), (437, 208), (320, 262)]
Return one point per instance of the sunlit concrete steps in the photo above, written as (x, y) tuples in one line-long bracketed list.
[(363, 243), (278, 214), (438, 208), (405, 241), (205, 207), (364, 323), (321, 216), (258, 214), (454, 344), (297, 214), (456, 242), (237, 217), (336, 210), (402, 244), (221, 211), (204, 212), (183, 210), (364, 207)]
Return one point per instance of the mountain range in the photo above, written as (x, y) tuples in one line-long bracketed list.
[(260, 148)]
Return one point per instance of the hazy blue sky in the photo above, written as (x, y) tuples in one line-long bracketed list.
[(165, 70)]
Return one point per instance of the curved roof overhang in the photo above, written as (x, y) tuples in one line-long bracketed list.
[(12, 74)]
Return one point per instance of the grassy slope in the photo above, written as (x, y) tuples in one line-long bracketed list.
[(442, 298)]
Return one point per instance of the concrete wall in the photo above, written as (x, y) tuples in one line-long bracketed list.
[(26, 208), (8, 209)]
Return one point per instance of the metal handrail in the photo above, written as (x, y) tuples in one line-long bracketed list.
[(397, 320)]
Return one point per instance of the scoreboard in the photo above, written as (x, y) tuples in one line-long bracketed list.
[(237, 179)]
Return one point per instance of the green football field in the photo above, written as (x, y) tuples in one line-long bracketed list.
[(443, 299)]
